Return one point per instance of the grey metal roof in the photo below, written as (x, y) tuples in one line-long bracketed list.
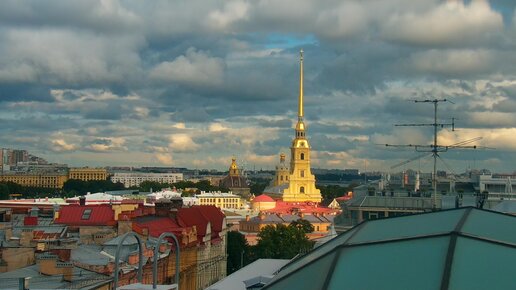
[(276, 189), (250, 273), (83, 279), (90, 255), (463, 248)]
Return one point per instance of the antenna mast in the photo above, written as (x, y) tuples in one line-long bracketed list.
[(435, 148)]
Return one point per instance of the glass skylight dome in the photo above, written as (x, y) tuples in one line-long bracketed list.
[(464, 248)]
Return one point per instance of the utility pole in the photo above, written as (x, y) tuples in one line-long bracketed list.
[(434, 149)]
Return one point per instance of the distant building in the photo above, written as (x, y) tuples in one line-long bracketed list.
[(130, 179), (498, 185), (235, 181), (86, 174), (222, 200), (47, 180), (251, 226)]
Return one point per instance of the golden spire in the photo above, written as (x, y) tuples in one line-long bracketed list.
[(300, 110)]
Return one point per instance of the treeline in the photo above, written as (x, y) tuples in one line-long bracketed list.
[(74, 187), (274, 242), (10, 188), (329, 192), (203, 185)]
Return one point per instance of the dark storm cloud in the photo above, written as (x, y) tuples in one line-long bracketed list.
[(24, 92), (139, 72)]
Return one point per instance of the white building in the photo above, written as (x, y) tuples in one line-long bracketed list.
[(130, 179), (498, 185)]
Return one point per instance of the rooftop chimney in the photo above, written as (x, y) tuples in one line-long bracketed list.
[(82, 200)]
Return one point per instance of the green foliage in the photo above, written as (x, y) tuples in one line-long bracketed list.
[(4, 191), (147, 186), (282, 242), (329, 192), (82, 187), (239, 253), (30, 192), (258, 185), (203, 185), (303, 225)]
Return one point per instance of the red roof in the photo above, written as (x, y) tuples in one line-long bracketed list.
[(87, 215), (304, 207), (30, 221), (263, 198), (157, 225), (200, 216)]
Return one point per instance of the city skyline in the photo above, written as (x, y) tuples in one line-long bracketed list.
[(128, 83)]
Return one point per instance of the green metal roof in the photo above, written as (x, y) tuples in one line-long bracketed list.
[(464, 248)]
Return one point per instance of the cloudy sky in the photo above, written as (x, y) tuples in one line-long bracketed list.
[(193, 83)]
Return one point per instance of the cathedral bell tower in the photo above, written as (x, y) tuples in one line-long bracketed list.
[(301, 180)]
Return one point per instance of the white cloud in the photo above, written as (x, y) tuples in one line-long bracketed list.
[(107, 144), (182, 143), (349, 19), (232, 12), (193, 68), (61, 145), (450, 22), (452, 62), (164, 158), (179, 126), (217, 127), (499, 138)]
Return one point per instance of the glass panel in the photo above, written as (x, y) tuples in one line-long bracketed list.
[(482, 265), (414, 264), (316, 253), (408, 226), (310, 277), (493, 226)]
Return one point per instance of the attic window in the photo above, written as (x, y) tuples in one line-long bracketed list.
[(86, 214)]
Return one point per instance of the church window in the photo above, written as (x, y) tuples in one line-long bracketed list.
[(302, 189), (282, 178), (302, 156), (302, 173)]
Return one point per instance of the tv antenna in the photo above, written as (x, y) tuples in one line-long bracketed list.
[(433, 149)]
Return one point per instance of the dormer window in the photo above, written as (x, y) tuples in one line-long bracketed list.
[(86, 214)]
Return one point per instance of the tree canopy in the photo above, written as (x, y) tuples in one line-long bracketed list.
[(239, 252), (283, 242)]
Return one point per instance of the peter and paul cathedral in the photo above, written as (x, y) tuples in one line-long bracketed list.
[(299, 184)]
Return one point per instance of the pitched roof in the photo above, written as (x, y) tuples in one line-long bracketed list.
[(88, 215), (200, 216), (157, 225)]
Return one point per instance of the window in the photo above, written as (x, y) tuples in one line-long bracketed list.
[(86, 214), (302, 173), (302, 156), (302, 189)]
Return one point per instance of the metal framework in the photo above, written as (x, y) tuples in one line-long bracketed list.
[(117, 257), (433, 149)]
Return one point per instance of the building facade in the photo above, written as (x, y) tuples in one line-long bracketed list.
[(221, 200), (36, 180), (87, 174), (130, 179), (235, 181)]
